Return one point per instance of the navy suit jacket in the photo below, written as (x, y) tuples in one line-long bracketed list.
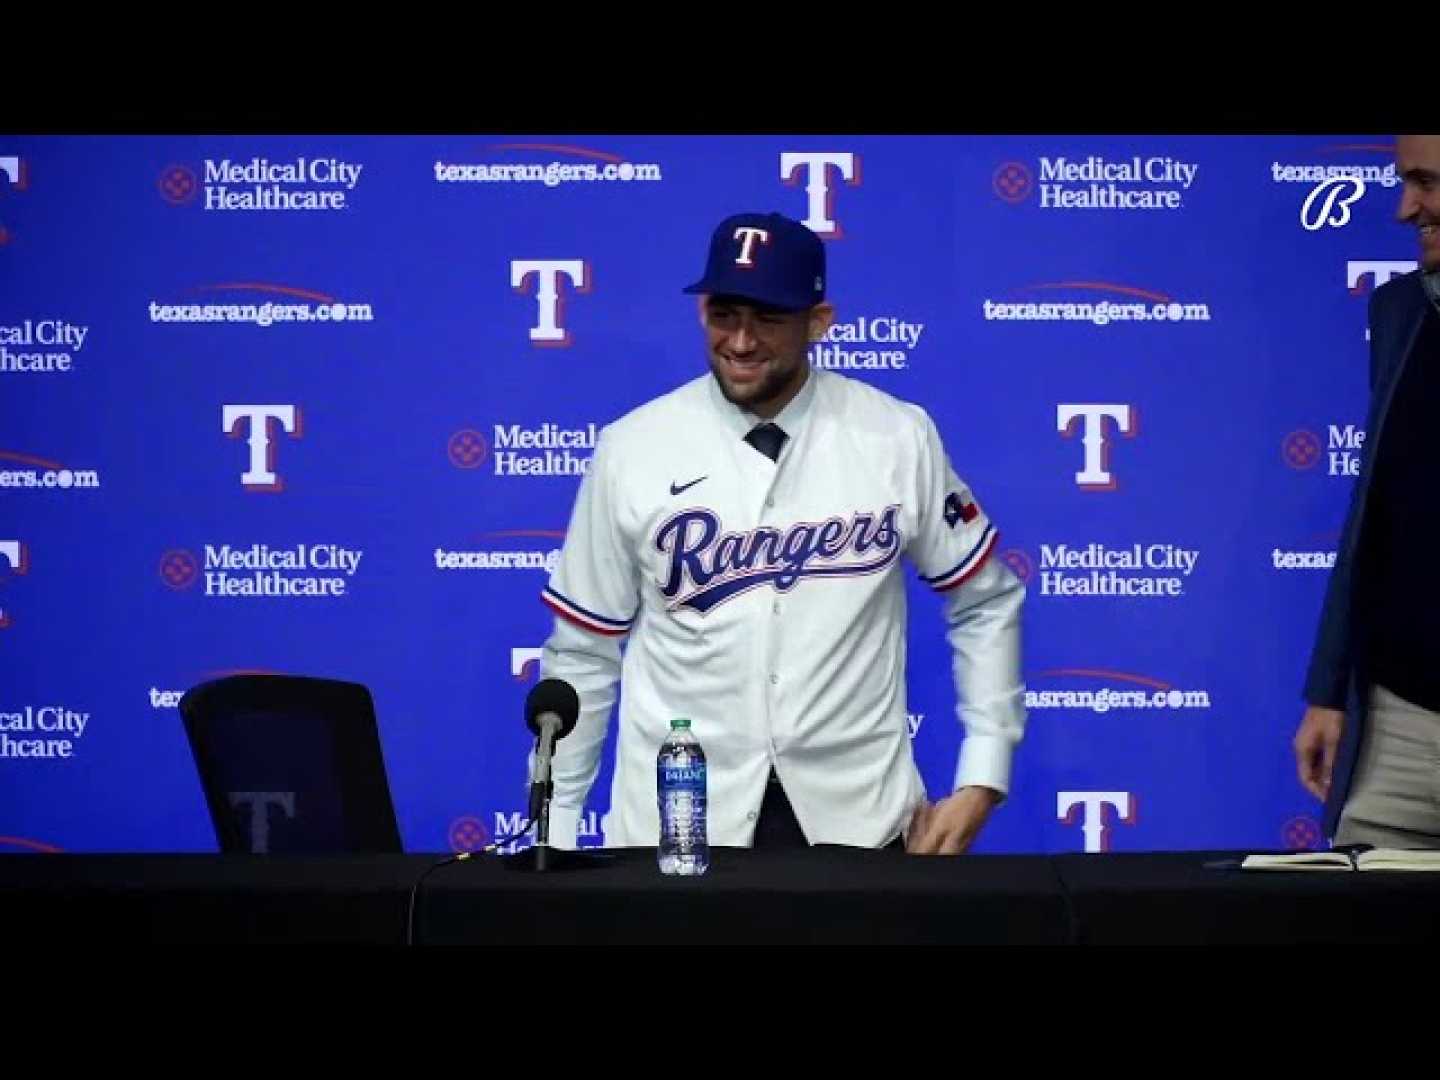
[(1397, 309)]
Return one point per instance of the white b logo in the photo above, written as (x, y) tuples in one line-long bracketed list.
[(1334, 208)]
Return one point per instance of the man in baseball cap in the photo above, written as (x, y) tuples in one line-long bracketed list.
[(762, 304), (745, 534)]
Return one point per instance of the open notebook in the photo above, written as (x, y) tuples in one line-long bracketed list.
[(1357, 857)]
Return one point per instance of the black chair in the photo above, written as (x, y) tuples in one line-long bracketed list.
[(291, 764)]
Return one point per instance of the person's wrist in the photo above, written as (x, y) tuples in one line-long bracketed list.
[(988, 795)]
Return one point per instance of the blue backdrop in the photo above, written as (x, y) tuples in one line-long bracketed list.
[(409, 407)]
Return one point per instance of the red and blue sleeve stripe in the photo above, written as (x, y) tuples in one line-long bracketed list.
[(969, 565), (583, 617)]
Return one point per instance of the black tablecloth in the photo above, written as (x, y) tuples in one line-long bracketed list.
[(73, 899), (1172, 898), (831, 896)]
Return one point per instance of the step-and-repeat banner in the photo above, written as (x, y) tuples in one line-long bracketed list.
[(321, 406)]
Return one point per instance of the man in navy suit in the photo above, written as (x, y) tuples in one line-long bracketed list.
[(1369, 742)]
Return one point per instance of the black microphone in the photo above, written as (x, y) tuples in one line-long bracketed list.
[(550, 712), (553, 703)]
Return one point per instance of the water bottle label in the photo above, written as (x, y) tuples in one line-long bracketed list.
[(683, 777)]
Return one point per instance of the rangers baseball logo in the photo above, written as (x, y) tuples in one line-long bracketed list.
[(1096, 476), (821, 196), (708, 567), (550, 331), (234, 419), (1089, 807), (747, 235)]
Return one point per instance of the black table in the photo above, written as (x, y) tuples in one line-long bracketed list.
[(75, 899), (826, 896), (1171, 898), (823, 896)]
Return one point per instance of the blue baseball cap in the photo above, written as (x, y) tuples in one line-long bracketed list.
[(768, 258)]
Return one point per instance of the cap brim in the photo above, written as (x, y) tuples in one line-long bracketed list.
[(700, 288)]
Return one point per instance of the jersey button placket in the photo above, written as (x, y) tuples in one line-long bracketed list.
[(769, 630)]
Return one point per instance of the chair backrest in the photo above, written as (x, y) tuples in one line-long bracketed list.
[(291, 764)]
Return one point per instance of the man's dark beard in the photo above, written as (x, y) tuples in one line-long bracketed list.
[(767, 391)]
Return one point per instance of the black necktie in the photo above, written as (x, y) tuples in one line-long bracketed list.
[(768, 439)]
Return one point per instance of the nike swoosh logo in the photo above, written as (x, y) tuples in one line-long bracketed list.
[(676, 490)]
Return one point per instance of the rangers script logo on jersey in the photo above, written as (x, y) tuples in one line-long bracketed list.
[(719, 567)]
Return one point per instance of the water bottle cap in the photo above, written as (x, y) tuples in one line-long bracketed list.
[(680, 723)]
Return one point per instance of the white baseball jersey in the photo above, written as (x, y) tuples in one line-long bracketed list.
[(765, 601)]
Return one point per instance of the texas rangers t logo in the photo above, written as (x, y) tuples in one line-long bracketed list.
[(747, 235), (717, 567)]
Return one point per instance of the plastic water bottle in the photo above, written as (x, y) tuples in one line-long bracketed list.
[(680, 783)]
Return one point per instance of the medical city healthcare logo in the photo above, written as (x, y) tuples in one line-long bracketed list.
[(44, 731), (545, 449), (468, 833), (1096, 182), (1338, 451), (289, 571), (851, 344), (511, 832), (41, 346), (1301, 833), (303, 184), (1123, 571)]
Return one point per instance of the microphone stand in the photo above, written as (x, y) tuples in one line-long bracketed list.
[(541, 857)]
